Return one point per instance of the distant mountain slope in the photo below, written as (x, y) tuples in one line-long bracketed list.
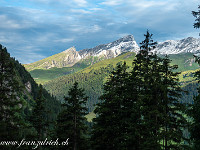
[(190, 44), (66, 58), (185, 61)]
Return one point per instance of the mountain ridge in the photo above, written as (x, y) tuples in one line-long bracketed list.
[(186, 45), (112, 49), (71, 56)]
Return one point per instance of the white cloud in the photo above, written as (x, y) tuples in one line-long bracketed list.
[(144, 4), (95, 28), (7, 23), (27, 53), (81, 2), (96, 9), (110, 24), (10, 38), (80, 11), (29, 57), (64, 40), (112, 2), (85, 29)]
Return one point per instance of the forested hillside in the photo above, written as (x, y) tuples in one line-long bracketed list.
[(19, 97), (31, 89), (93, 77)]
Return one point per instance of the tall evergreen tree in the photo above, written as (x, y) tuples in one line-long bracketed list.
[(173, 121), (110, 130), (194, 113), (140, 110), (194, 110), (158, 92), (71, 120), (145, 76), (38, 117), (11, 105)]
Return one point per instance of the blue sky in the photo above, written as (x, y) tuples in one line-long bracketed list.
[(34, 29)]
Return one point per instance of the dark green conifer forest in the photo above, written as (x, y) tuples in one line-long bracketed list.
[(27, 110)]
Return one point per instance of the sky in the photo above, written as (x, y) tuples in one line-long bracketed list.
[(35, 29)]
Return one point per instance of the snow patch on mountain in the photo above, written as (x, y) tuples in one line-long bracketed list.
[(113, 49), (187, 45)]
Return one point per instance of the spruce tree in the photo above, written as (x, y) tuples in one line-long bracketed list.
[(38, 117), (110, 130), (140, 110), (71, 120), (161, 115), (173, 121), (194, 110), (11, 105), (145, 77), (194, 113)]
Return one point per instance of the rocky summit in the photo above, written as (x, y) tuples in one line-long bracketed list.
[(187, 45), (113, 49)]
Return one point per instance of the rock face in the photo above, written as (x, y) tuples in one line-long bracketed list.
[(112, 49), (187, 45), (70, 57), (28, 86), (66, 58)]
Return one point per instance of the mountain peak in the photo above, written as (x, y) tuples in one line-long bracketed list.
[(113, 49), (66, 58), (127, 38), (71, 49)]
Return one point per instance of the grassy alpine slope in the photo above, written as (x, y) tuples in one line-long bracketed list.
[(66, 58), (44, 75)]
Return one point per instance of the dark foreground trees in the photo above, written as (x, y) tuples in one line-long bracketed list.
[(110, 125), (71, 120), (11, 122), (39, 116), (140, 109), (195, 111)]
